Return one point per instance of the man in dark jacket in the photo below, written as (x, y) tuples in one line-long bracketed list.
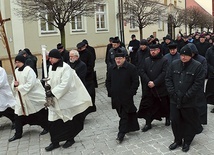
[(30, 60), (142, 53), (184, 79), (173, 54), (155, 101), (88, 59), (93, 54), (133, 46), (78, 65), (202, 45), (210, 82), (116, 45), (33, 58), (109, 46), (167, 41), (122, 83), (63, 52), (201, 99), (179, 41)]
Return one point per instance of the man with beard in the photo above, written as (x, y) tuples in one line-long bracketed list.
[(33, 98), (155, 101), (88, 59), (184, 79), (7, 99), (122, 83), (78, 65), (69, 100)]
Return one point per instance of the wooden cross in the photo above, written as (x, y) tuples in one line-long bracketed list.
[(5, 43)]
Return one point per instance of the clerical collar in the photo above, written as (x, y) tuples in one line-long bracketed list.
[(58, 64), (22, 68)]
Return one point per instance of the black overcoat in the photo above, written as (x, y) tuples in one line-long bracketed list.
[(122, 84), (154, 69), (185, 79)]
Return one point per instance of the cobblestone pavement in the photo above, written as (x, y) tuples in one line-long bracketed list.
[(100, 130)]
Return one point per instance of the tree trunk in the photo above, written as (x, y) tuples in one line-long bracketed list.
[(190, 29), (173, 31), (62, 35), (141, 33)]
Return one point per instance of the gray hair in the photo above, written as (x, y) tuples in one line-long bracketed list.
[(75, 52)]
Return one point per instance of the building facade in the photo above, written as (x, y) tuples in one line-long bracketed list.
[(96, 30)]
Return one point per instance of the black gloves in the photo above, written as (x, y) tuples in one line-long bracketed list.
[(47, 87), (49, 93)]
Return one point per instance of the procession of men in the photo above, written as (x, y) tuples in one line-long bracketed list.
[(172, 76)]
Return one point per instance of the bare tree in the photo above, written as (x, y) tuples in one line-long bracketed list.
[(205, 21), (192, 14), (55, 12), (143, 13), (175, 18)]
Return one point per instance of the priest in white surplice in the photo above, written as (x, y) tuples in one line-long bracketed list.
[(71, 99), (7, 100), (33, 98)]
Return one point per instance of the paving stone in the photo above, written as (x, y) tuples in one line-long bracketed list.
[(100, 131)]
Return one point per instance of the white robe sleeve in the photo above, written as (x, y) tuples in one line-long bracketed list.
[(64, 86), (30, 82), (3, 78)]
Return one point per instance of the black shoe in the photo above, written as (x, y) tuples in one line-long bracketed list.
[(43, 132), (212, 111), (120, 137), (119, 140), (146, 127), (13, 126), (52, 146), (174, 145), (14, 138), (185, 147), (68, 143), (167, 122)]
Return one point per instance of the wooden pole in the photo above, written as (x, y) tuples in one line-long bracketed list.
[(5, 42)]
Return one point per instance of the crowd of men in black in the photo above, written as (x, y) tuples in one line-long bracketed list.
[(172, 75)]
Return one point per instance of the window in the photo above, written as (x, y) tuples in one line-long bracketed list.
[(46, 27), (132, 22), (77, 24), (160, 23), (101, 17), (175, 3), (165, 2)]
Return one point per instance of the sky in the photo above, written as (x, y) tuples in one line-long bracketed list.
[(206, 4)]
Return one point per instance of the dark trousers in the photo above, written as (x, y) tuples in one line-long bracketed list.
[(62, 131), (90, 86), (38, 118), (185, 123), (152, 107), (128, 122), (9, 113)]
